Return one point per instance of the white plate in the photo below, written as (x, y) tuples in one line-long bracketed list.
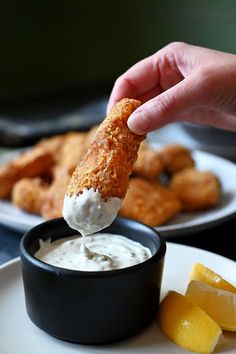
[(212, 140), (183, 223), (18, 335)]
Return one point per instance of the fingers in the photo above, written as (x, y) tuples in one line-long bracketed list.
[(150, 94), (168, 106), (199, 98), (178, 80), (149, 77), (140, 78)]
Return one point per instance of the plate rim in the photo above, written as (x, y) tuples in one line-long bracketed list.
[(11, 262)]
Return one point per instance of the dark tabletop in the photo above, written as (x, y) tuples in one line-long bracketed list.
[(220, 240)]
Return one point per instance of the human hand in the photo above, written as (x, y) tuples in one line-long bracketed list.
[(180, 82)]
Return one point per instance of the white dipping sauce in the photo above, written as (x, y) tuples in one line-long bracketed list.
[(102, 252), (88, 212)]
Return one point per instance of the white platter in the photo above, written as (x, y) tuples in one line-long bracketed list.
[(18, 335), (183, 223)]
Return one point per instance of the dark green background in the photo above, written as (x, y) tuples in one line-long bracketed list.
[(56, 45)]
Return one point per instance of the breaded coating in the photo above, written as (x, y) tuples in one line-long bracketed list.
[(197, 190), (149, 163), (103, 159), (149, 202), (31, 163), (52, 145), (110, 158), (72, 150), (90, 135), (53, 201), (176, 158), (29, 194)]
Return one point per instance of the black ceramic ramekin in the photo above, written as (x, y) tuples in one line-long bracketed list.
[(92, 307)]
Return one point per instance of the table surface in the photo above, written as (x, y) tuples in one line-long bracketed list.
[(220, 240)]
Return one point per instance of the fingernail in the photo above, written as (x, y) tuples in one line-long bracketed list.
[(138, 123)]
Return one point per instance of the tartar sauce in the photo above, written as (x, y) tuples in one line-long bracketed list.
[(101, 252), (89, 212)]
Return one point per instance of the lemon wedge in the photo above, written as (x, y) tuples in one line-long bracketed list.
[(188, 325), (206, 275), (219, 304)]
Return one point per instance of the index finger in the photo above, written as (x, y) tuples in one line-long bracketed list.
[(139, 79)]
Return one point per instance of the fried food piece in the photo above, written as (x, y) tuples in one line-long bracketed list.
[(101, 179), (90, 135), (74, 147), (149, 202), (52, 145), (28, 164), (176, 158), (32, 163), (197, 190), (53, 201), (71, 152), (149, 163), (29, 194), (109, 161)]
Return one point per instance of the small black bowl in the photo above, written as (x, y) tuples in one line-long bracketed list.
[(92, 307)]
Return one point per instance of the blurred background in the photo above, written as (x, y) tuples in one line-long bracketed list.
[(59, 59)]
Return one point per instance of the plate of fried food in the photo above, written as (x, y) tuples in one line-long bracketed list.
[(173, 189)]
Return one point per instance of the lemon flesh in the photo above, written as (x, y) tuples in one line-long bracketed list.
[(188, 325), (219, 304)]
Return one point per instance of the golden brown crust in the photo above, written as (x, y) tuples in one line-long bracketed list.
[(53, 201), (28, 164), (54, 159), (176, 157), (29, 194), (52, 145), (197, 190), (71, 152), (149, 202), (111, 155), (149, 163), (90, 135), (31, 163)]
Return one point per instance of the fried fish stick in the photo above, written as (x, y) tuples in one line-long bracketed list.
[(100, 181), (90, 135), (149, 163), (53, 201), (28, 164), (175, 158), (29, 194), (31, 163), (197, 190), (149, 202), (72, 150), (52, 145)]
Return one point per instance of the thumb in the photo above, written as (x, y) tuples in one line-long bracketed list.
[(168, 106)]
